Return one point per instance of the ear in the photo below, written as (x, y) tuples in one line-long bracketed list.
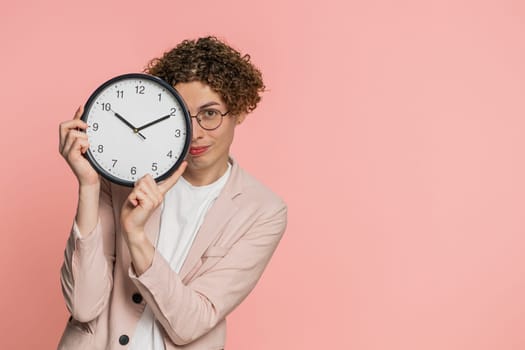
[(240, 118)]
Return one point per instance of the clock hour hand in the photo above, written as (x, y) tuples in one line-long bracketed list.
[(153, 122), (135, 130)]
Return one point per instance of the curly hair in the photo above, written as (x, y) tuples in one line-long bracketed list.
[(211, 61)]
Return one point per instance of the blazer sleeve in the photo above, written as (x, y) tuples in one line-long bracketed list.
[(86, 275), (187, 312)]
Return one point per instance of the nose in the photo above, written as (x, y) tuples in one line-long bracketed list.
[(197, 131)]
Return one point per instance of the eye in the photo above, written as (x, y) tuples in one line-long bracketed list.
[(209, 113)]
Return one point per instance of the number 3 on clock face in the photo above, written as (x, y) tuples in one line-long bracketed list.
[(137, 124)]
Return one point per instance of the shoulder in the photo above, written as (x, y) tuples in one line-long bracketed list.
[(259, 212), (249, 192)]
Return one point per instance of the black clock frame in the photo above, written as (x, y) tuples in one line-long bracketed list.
[(186, 114)]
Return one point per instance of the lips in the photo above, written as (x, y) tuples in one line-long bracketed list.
[(196, 151)]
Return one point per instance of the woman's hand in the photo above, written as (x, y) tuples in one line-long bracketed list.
[(136, 210), (146, 196), (73, 144)]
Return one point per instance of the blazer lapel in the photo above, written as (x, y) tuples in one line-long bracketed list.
[(218, 215)]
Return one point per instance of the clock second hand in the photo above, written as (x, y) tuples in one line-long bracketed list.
[(135, 130)]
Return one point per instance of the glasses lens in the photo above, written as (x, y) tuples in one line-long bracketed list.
[(209, 119)]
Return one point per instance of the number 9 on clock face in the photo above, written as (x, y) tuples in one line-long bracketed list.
[(137, 124)]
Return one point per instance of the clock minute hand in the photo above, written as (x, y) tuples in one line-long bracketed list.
[(135, 130), (153, 122)]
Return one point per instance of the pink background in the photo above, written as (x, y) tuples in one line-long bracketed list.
[(393, 129)]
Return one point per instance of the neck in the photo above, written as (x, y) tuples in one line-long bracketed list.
[(203, 177)]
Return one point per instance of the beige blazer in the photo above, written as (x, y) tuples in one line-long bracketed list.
[(233, 246)]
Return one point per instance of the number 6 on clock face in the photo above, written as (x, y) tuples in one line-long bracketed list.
[(137, 124)]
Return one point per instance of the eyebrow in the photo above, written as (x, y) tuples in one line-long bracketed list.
[(213, 103)]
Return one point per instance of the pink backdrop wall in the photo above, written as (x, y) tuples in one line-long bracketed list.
[(393, 129)]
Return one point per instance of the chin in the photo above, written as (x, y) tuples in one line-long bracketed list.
[(197, 162)]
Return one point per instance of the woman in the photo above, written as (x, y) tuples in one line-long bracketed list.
[(160, 266)]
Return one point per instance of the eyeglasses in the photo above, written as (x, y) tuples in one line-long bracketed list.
[(209, 119)]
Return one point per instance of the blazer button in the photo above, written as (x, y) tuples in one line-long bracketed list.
[(123, 340), (137, 298)]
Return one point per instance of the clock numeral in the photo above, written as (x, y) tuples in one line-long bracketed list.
[(114, 162), (154, 167), (100, 149), (106, 106), (170, 154), (95, 126), (160, 97), (172, 111), (120, 93), (177, 133), (133, 170), (139, 89)]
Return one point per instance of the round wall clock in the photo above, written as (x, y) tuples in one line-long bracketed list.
[(137, 124)]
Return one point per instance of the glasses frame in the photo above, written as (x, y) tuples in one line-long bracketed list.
[(196, 116)]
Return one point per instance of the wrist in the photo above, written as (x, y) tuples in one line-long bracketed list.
[(89, 188), (136, 239), (141, 251)]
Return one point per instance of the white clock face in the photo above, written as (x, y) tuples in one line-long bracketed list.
[(137, 124)]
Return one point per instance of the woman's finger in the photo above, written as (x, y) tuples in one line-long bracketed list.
[(153, 188), (76, 123), (68, 126), (76, 150), (147, 186), (167, 184), (138, 196), (134, 199), (71, 137), (79, 112)]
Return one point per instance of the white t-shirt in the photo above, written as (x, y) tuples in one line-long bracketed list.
[(183, 211)]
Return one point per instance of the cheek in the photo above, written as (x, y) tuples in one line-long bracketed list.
[(225, 137)]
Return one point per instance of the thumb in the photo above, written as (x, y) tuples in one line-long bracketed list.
[(167, 184)]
